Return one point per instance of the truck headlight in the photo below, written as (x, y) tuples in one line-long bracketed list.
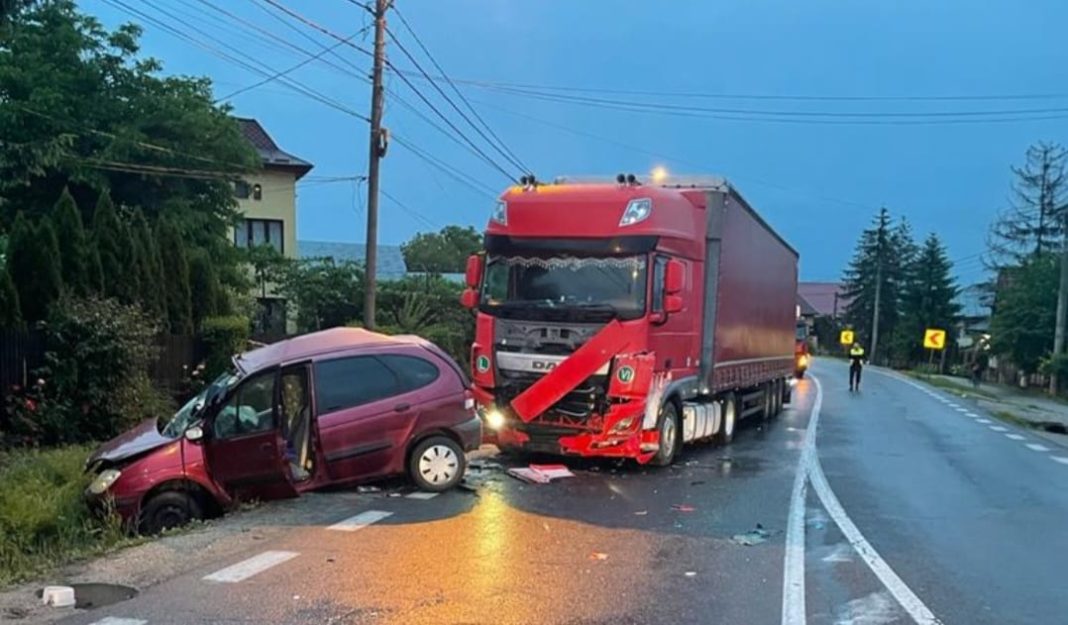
[(103, 482), (494, 419)]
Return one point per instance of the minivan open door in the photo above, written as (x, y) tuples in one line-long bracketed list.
[(243, 444)]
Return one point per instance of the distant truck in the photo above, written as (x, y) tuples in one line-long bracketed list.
[(624, 319)]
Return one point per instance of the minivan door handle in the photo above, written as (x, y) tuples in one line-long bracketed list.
[(401, 407)]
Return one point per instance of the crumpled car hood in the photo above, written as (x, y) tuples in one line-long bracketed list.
[(142, 438)]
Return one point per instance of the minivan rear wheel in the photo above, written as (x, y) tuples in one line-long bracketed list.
[(169, 509), (437, 464)]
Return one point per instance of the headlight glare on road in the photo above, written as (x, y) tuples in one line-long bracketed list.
[(103, 482), (494, 419)]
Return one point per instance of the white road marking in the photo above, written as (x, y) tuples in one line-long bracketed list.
[(998, 428), (421, 495), (984, 421), (1037, 447), (1060, 459), (113, 620), (970, 414), (254, 565), (360, 521), (912, 604), (793, 572), (841, 552), (1016, 437), (875, 609), (963, 410)]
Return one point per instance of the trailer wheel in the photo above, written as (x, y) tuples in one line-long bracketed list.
[(768, 409), (776, 397), (670, 432), (787, 393), (730, 417)]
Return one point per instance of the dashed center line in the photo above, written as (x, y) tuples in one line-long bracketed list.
[(1060, 459), (984, 421), (1015, 437), (254, 565), (970, 414), (998, 428), (360, 521), (421, 495), (1037, 447)]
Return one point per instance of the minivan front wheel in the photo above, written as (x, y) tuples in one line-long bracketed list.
[(437, 464), (169, 509)]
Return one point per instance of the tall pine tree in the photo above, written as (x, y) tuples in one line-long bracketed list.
[(33, 264), (10, 312), (74, 253), (1021, 327), (176, 269), (1034, 222), (114, 248), (149, 268), (204, 287), (928, 300)]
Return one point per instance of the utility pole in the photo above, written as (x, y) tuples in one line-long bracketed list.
[(1062, 311), (875, 309), (377, 151)]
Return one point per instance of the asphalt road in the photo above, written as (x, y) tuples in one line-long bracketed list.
[(908, 509)]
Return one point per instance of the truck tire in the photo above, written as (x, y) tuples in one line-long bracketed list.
[(767, 410), (725, 434), (787, 393), (169, 509), (780, 396), (670, 432)]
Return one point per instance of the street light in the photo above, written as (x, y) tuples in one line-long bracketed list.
[(659, 174)]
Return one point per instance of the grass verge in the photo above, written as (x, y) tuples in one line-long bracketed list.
[(946, 385), (44, 521)]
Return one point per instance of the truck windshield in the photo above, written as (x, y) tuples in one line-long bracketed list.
[(579, 287)]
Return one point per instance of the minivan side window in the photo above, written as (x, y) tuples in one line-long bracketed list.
[(349, 382), (249, 410), (412, 372)]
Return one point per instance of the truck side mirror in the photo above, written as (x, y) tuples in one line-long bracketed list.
[(672, 303), (674, 275), (473, 271), (469, 298)]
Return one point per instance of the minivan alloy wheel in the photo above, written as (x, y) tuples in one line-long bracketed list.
[(438, 464)]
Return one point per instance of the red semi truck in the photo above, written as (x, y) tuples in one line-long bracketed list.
[(625, 319)]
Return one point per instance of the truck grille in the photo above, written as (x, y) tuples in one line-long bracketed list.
[(572, 411)]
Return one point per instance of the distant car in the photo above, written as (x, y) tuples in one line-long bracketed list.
[(331, 408)]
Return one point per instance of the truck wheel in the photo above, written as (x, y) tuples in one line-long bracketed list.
[(169, 509), (787, 393), (669, 429), (776, 398), (730, 417), (768, 409), (437, 464)]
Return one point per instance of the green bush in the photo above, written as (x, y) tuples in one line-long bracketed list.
[(430, 307), (223, 337), (1055, 364), (44, 521), (95, 382)]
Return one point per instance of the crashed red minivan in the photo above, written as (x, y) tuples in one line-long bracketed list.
[(330, 408)]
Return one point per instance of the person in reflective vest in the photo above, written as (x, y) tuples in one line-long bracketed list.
[(856, 363)]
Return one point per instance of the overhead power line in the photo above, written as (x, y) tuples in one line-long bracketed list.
[(496, 141), (426, 101), (758, 96)]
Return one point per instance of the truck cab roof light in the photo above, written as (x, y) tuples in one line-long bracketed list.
[(637, 210), (500, 214)]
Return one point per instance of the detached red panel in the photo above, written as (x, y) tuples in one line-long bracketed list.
[(580, 365)]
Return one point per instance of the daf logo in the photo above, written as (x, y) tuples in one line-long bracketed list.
[(542, 365)]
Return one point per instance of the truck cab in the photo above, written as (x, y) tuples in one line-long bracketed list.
[(591, 328)]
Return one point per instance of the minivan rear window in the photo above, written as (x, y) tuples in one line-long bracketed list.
[(349, 382), (412, 372)]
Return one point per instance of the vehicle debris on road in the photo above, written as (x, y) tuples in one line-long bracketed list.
[(597, 555), (753, 537), (683, 507), (540, 473)]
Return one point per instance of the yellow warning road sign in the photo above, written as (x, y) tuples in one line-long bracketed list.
[(934, 339), (846, 337)]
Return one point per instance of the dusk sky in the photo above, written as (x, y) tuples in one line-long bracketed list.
[(818, 179)]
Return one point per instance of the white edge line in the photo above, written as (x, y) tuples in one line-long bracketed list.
[(1016, 437), (998, 428), (360, 521), (247, 568), (912, 604), (1037, 447), (793, 572), (1060, 459), (113, 620)]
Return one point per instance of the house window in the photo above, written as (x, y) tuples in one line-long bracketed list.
[(256, 232), (242, 190), (257, 192)]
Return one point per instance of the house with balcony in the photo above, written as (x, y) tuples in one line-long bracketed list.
[(267, 201)]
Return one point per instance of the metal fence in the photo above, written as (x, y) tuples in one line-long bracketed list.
[(23, 352)]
